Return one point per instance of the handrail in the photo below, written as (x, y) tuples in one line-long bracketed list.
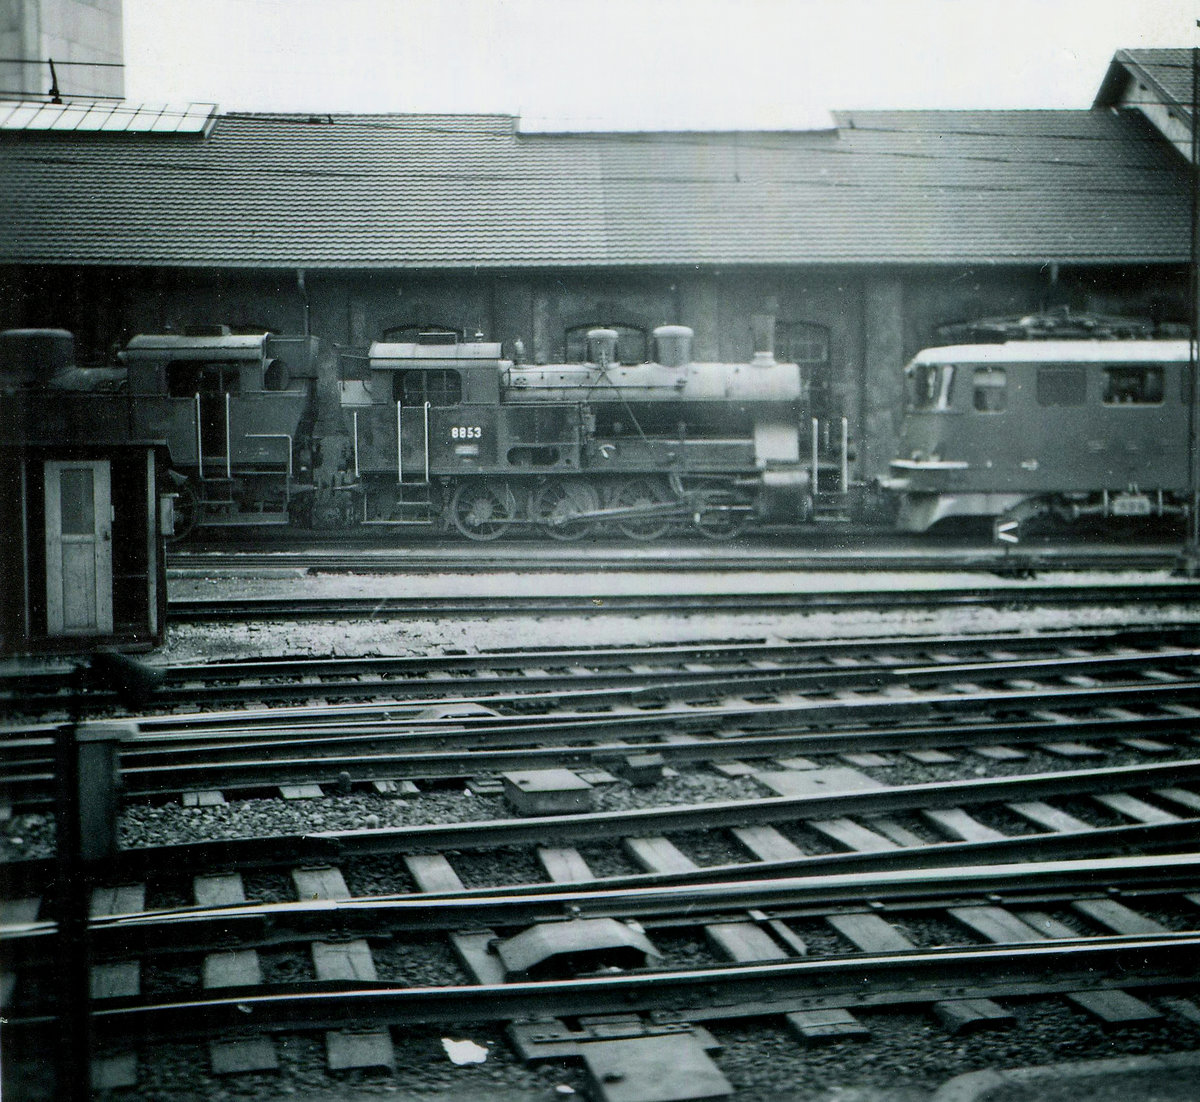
[(845, 455), (815, 446), (199, 443)]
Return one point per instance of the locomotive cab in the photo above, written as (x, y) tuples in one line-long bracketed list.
[(1067, 427)]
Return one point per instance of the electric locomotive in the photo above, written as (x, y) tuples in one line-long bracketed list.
[(455, 434), (1066, 427)]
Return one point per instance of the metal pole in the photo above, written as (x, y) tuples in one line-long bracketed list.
[(72, 899), (845, 455), (1189, 562)]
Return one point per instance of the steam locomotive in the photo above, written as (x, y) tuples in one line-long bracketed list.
[(264, 429), (1045, 415), (459, 433)]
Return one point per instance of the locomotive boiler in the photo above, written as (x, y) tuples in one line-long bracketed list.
[(455, 434), (1065, 427)]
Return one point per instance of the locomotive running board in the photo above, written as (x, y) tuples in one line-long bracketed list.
[(244, 520)]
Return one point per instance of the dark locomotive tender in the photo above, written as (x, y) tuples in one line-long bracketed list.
[(239, 414), (1066, 427)]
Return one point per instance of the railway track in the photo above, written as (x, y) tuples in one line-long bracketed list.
[(539, 669), (815, 942), (841, 547), (806, 841), (602, 709)]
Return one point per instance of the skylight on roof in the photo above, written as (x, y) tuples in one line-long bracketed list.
[(791, 120), (108, 117)]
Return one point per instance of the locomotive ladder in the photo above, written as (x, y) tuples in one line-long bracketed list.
[(413, 504), (830, 504), (216, 503)]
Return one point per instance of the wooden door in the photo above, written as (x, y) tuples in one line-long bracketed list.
[(79, 547)]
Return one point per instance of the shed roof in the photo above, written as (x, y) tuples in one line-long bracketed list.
[(471, 191)]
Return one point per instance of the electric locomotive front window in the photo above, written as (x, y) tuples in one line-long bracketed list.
[(991, 390), (1133, 385), (438, 388), (932, 385)]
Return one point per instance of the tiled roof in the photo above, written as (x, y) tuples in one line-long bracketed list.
[(397, 191)]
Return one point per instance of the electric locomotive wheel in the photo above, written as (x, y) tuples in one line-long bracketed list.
[(556, 505), (641, 494), (718, 515), (483, 510)]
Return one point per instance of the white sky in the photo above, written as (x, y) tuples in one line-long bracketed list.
[(678, 64)]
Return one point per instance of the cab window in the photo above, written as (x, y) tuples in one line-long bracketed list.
[(1133, 385), (438, 388), (931, 386), (991, 390), (186, 378)]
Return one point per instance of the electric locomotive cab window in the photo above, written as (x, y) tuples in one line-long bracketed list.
[(438, 388), (1061, 386), (991, 390), (931, 385), (1133, 385)]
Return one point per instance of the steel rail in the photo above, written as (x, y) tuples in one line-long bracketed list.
[(25, 684), (948, 886), (653, 694), (656, 694), (196, 610), (626, 683), (270, 762), (374, 558), (708, 993)]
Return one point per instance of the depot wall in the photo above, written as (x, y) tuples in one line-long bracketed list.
[(873, 320)]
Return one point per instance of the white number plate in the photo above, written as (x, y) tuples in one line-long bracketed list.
[(466, 432)]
